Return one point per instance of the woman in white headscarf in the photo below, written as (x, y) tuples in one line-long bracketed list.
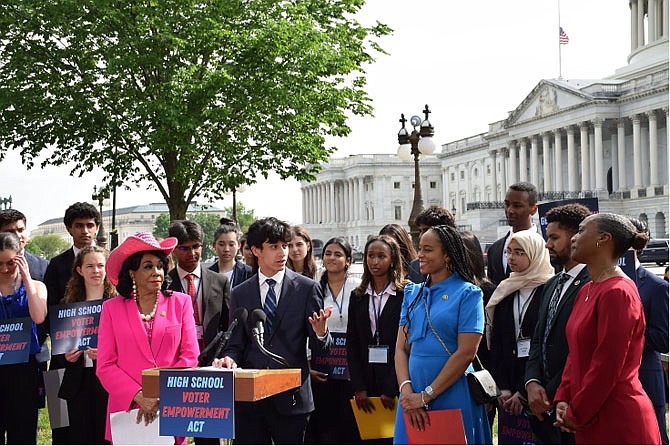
[(511, 318)]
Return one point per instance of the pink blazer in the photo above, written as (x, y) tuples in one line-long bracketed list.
[(124, 350)]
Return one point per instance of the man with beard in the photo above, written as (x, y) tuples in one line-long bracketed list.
[(549, 347), (520, 206)]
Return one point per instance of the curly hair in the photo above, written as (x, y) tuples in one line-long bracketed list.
[(404, 241), (81, 210), (75, 290), (132, 263), (623, 232), (642, 227), (309, 264), (396, 273), (568, 216), (9, 216)]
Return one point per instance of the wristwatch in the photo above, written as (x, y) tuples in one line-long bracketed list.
[(429, 391)]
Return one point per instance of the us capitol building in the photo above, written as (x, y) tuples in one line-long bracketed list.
[(604, 138)]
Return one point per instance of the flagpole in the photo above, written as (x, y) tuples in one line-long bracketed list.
[(560, 74)]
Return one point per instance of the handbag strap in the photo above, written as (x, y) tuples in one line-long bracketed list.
[(478, 366)]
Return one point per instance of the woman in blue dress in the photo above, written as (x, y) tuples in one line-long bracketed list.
[(429, 377)]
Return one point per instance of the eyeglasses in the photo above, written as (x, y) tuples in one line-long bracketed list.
[(515, 253), (194, 247)]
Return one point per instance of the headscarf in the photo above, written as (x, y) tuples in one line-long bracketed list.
[(537, 273)]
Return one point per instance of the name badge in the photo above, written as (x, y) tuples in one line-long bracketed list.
[(523, 348), (199, 331), (378, 354)]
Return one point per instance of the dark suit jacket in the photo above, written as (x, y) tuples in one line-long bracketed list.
[(414, 274), (36, 265), (215, 303), (300, 297), (654, 294), (57, 275), (376, 379), (494, 267), (241, 272), (507, 369), (557, 345)]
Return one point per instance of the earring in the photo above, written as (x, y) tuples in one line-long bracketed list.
[(134, 289), (597, 244)]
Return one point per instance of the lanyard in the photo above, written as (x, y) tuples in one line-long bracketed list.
[(521, 309), (232, 278), (341, 304), (374, 308)]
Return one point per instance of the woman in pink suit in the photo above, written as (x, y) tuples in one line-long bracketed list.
[(600, 398), (145, 326)]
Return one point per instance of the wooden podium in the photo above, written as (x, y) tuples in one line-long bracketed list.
[(250, 385)]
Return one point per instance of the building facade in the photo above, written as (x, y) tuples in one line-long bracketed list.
[(129, 220), (604, 138), (354, 197)]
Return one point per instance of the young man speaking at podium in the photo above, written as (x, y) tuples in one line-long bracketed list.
[(293, 308)]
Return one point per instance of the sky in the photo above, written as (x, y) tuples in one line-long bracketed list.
[(471, 62)]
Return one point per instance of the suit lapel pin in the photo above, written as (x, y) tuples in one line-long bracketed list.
[(577, 282), (445, 297), (163, 313)]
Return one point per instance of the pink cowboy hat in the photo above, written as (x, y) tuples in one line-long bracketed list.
[(141, 241)]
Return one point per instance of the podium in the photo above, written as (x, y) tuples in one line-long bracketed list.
[(250, 384)]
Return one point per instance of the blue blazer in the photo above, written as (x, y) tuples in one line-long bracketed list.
[(241, 272), (36, 265), (300, 297)]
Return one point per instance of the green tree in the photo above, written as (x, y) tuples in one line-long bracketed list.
[(208, 222), (195, 98), (47, 246), (245, 217)]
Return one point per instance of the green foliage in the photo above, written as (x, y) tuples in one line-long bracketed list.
[(195, 98), (208, 222), (47, 246), (245, 217)]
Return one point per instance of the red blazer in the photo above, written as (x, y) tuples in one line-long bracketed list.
[(124, 350), (600, 381)]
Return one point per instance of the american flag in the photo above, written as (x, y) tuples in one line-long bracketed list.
[(563, 38)]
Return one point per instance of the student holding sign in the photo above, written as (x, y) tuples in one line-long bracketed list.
[(146, 326), (332, 421), (374, 315), (23, 303), (86, 398)]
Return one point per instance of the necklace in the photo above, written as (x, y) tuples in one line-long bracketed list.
[(597, 280), (150, 316)]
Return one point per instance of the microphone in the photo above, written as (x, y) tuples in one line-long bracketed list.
[(221, 339), (258, 319)]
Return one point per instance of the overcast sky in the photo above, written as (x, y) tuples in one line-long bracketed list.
[(472, 62)]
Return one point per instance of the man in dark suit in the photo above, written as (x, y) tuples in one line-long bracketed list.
[(210, 291), (432, 216), (520, 206), (549, 347), (294, 308), (82, 221), (654, 295), (14, 221)]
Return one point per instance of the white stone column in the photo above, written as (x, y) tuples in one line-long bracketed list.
[(513, 177), (468, 183), (361, 199), (599, 165), (523, 160), (352, 201), (445, 186), (614, 150), (534, 162), (586, 160), (503, 174), (546, 163), (621, 155), (637, 153), (633, 25), (572, 160), (331, 202), (558, 161), (640, 23), (494, 176), (665, 18), (651, 20), (653, 149)]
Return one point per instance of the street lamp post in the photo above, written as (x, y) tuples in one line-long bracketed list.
[(418, 142), (100, 195)]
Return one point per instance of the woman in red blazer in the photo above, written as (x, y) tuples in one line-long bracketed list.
[(145, 326), (600, 398)]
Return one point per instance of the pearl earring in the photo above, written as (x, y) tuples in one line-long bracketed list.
[(135, 290)]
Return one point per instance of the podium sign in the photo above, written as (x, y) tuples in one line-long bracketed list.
[(197, 403)]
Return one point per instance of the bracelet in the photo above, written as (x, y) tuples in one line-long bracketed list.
[(403, 383), (425, 404)]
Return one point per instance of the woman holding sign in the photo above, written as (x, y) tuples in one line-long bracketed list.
[(374, 312), (23, 303), (332, 421), (145, 326), (86, 398)]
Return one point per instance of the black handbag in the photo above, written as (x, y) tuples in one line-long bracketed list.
[(483, 387)]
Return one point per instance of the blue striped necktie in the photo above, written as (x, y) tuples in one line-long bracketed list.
[(270, 305)]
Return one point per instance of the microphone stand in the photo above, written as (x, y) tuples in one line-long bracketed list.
[(267, 352)]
